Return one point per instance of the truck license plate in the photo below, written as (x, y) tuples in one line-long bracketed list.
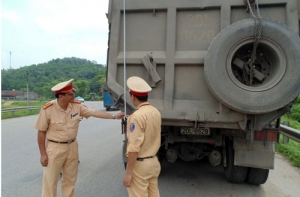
[(194, 131)]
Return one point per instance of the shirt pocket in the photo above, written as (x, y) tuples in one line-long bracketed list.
[(57, 125), (75, 121)]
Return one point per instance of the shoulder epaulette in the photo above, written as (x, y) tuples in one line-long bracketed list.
[(47, 105), (75, 101), (132, 111)]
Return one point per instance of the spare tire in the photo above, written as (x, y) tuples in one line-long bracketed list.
[(276, 82)]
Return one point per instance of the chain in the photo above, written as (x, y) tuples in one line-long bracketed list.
[(249, 66)]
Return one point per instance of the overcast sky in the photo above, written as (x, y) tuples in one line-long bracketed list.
[(37, 31)]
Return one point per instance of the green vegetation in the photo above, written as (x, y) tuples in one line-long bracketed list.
[(296, 110), (293, 123), (291, 150), (19, 113), (17, 104), (89, 77)]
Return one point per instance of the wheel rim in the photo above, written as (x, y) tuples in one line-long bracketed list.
[(270, 64)]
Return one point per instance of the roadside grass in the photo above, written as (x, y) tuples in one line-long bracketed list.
[(21, 113), (16, 114), (290, 150), (22, 104)]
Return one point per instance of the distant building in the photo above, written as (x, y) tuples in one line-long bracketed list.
[(18, 95)]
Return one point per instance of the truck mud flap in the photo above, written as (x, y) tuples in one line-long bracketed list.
[(256, 155)]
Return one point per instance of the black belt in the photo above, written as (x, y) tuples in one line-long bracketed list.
[(68, 142), (142, 159)]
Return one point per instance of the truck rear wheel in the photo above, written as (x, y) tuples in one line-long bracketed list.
[(233, 174), (257, 176), (276, 74)]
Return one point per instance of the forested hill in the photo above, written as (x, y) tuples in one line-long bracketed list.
[(88, 76)]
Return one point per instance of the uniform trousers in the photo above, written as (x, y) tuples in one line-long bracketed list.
[(61, 158), (144, 181)]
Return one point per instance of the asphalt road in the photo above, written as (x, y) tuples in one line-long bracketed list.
[(101, 168)]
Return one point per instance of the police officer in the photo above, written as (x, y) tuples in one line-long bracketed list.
[(57, 126), (144, 136)]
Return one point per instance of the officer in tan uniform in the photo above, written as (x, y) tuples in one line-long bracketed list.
[(144, 136), (57, 126)]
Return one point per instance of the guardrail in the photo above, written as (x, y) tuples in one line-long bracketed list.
[(290, 133), (19, 109)]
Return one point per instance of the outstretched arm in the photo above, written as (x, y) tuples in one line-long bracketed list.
[(104, 115)]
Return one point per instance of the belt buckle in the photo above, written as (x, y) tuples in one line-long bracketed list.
[(69, 142)]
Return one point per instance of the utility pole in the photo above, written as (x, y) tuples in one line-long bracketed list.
[(27, 89)]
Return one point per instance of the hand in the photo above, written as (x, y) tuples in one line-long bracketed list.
[(127, 180), (120, 115), (44, 160)]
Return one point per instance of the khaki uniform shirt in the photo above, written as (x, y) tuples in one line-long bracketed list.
[(144, 131), (61, 125)]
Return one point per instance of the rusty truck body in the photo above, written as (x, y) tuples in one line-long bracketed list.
[(222, 74)]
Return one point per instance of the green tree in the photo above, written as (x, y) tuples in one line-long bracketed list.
[(45, 75), (81, 87)]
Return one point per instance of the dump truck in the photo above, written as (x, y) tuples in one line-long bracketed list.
[(222, 74)]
